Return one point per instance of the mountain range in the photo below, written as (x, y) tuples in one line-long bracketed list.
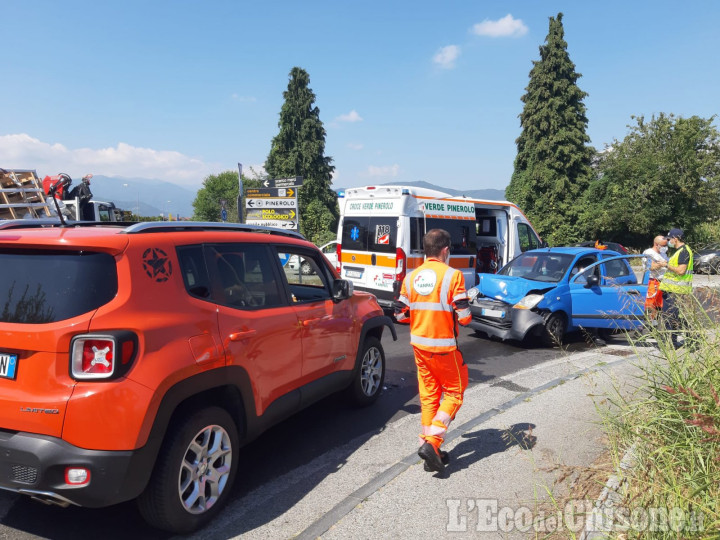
[(148, 197), (143, 196)]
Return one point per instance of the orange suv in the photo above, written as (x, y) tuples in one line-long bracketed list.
[(136, 360)]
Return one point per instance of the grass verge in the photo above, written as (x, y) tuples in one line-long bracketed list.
[(672, 424)]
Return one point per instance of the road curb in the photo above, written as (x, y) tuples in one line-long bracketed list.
[(599, 524)]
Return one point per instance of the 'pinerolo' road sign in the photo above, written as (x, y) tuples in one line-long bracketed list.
[(272, 207)]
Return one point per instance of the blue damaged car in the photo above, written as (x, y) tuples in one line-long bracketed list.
[(551, 291)]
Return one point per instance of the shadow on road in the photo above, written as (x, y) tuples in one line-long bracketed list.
[(478, 445)]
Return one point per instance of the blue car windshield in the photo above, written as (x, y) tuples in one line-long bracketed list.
[(549, 267)]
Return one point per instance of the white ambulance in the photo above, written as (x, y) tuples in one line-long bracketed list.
[(381, 230)]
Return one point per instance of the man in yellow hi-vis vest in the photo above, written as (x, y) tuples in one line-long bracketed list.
[(434, 300), (676, 283)]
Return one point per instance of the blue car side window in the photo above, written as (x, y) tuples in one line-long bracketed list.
[(580, 268), (619, 272)]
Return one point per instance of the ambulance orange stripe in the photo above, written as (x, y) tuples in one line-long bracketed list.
[(366, 259), (460, 262)]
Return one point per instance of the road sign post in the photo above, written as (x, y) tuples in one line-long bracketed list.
[(240, 194)]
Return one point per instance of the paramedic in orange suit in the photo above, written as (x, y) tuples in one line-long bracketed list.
[(434, 300)]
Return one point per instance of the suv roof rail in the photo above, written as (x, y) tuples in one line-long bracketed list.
[(53, 222), (165, 226)]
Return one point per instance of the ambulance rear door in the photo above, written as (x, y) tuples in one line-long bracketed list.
[(369, 241)]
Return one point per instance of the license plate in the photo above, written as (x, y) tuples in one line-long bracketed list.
[(8, 365), (492, 313), (353, 273)]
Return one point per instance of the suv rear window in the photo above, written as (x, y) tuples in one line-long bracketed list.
[(49, 286)]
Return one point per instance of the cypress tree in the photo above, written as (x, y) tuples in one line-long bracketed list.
[(299, 150), (552, 166)]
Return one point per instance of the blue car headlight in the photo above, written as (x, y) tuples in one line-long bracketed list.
[(529, 302)]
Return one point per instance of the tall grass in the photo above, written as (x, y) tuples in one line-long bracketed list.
[(672, 425)]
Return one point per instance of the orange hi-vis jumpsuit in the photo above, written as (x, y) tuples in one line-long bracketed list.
[(434, 299)]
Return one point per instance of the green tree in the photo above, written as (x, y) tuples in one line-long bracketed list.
[(664, 174), (206, 206), (552, 166), (299, 150)]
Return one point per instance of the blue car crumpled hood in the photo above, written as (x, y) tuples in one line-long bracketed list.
[(510, 289)]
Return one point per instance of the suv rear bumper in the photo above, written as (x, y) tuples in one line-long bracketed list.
[(35, 465)]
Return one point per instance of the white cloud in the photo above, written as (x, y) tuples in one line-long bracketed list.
[(21, 151), (388, 170), (446, 56), (505, 27), (352, 116), (355, 146)]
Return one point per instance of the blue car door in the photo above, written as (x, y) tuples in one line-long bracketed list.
[(607, 295)]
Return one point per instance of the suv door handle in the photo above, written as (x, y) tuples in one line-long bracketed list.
[(633, 291), (312, 322), (243, 334)]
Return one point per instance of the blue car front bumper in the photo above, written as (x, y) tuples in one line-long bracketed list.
[(512, 324)]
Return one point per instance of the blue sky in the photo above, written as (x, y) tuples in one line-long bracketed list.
[(407, 90)]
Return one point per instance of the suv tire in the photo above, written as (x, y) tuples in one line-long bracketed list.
[(194, 473), (370, 375)]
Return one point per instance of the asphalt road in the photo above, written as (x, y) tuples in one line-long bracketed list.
[(295, 442)]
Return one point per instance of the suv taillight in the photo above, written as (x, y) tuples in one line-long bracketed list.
[(338, 252), (102, 356)]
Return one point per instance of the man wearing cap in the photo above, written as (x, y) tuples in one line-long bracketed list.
[(676, 283)]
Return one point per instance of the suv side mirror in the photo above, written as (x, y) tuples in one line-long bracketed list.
[(342, 289), (592, 281)]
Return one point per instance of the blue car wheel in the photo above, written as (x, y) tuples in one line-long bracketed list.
[(554, 332)]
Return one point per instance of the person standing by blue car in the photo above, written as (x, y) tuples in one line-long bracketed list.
[(676, 284)]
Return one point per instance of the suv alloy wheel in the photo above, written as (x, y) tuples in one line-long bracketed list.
[(199, 460), (368, 381)]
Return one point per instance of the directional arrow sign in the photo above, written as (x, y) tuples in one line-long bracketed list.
[(278, 214), (283, 182), (271, 203), (273, 223), (271, 213), (263, 193)]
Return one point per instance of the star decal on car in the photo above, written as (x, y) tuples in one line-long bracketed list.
[(156, 264)]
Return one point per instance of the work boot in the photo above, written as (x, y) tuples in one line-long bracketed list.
[(444, 457), (432, 458)]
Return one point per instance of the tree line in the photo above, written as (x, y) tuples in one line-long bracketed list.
[(663, 174)]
